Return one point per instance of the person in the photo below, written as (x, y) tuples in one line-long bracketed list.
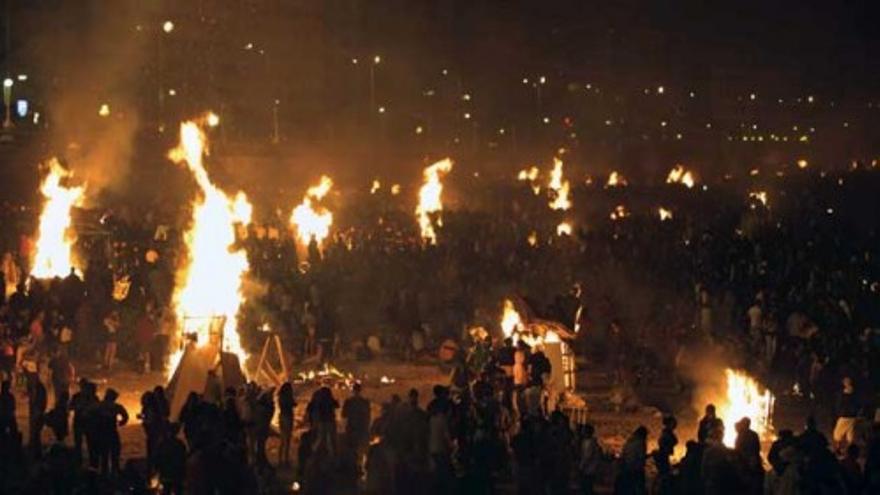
[(414, 421), (665, 448), (784, 440), (62, 373), (852, 471), (715, 464), (811, 440), (748, 449), (171, 461), (847, 413), (440, 440), (8, 423), (356, 412), (286, 406), (321, 414), (145, 330), (84, 404), (108, 417), (631, 477), (590, 459), (708, 423), (37, 402), (111, 329), (56, 419)]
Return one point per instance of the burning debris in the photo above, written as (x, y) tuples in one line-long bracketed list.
[(664, 213), (619, 213), (328, 375), (54, 236), (313, 222), (531, 175), (428, 211), (563, 228), (760, 197)]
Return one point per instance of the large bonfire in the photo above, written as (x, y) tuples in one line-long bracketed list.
[(745, 398), (430, 200), (54, 237), (209, 285), (313, 221)]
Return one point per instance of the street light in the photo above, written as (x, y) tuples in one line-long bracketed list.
[(376, 61), (7, 101), (168, 26)]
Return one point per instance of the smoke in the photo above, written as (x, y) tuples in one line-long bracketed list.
[(88, 54)]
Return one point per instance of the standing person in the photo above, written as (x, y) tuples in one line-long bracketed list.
[(356, 412), (590, 458), (440, 440), (144, 334), (748, 449), (321, 412), (708, 423), (37, 402), (8, 423), (84, 404), (847, 412), (665, 448), (111, 330), (171, 461), (286, 407), (109, 416), (631, 478), (62, 373), (57, 418)]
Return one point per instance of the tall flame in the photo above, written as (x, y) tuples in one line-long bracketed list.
[(54, 238), (680, 175), (313, 222), (210, 285), (745, 399), (430, 199), (511, 321), (559, 186), (531, 175)]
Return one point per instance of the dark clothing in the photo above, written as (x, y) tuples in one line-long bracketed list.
[(356, 411), (847, 406), (708, 424)]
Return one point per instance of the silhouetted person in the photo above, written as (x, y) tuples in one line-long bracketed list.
[(171, 460), (631, 478), (109, 416), (36, 417), (57, 418), (286, 406), (356, 412), (708, 423), (84, 405)]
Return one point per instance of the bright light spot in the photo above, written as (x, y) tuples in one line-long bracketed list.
[(7, 83), (466, 97), (563, 228), (660, 90), (419, 130), (172, 92), (664, 214), (662, 123), (752, 96), (249, 46), (168, 26), (542, 80), (525, 80), (381, 109), (467, 115), (810, 99), (104, 111), (354, 61), (22, 77), (802, 163), (213, 119), (501, 131), (377, 59), (395, 189), (546, 120)]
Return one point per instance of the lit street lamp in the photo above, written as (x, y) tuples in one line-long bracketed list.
[(7, 102), (376, 61)]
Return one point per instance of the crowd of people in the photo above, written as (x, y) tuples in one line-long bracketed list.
[(790, 290)]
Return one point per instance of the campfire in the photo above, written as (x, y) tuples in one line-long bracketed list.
[(745, 398)]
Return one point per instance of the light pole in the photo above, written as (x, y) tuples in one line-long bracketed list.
[(7, 102), (376, 61), (167, 28)]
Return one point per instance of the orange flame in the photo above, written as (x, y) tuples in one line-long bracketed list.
[(559, 186), (745, 399), (313, 222), (679, 175), (616, 179), (210, 284), (664, 214), (54, 238), (430, 200)]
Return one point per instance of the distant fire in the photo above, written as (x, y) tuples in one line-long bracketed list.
[(620, 212), (428, 211), (759, 196), (531, 176), (616, 179), (563, 228), (54, 238), (664, 214), (745, 398), (679, 175), (312, 221), (560, 188), (209, 285), (511, 321)]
